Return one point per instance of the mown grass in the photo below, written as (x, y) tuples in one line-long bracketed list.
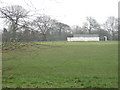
[(61, 65)]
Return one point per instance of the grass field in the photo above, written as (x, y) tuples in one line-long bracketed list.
[(61, 65)]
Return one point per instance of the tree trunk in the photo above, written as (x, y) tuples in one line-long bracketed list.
[(44, 37)]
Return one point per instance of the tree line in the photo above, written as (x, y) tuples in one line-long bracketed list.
[(23, 27)]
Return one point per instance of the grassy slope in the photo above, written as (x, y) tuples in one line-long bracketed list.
[(62, 64)]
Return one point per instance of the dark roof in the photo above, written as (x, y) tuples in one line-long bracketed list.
[(85, 35)]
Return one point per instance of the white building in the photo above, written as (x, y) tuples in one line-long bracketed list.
[(84, 37)]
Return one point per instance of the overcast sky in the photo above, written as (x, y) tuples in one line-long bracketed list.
[(71, 12)]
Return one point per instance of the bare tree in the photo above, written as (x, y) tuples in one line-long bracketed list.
[(78, 30), (45, 24), (61, 30), (13, 16), (91, 24), (111, 25), (61, 27)]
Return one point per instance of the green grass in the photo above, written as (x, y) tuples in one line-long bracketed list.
[(61, 65)]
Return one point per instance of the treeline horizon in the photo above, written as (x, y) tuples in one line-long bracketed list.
[(25, 27)]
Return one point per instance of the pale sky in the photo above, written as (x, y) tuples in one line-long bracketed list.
[(71, 12)]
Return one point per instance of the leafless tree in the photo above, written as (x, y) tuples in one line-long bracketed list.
[(45, 24), (61, 27), (91, 24), (14, 16), (78, 30), (111, 25)]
